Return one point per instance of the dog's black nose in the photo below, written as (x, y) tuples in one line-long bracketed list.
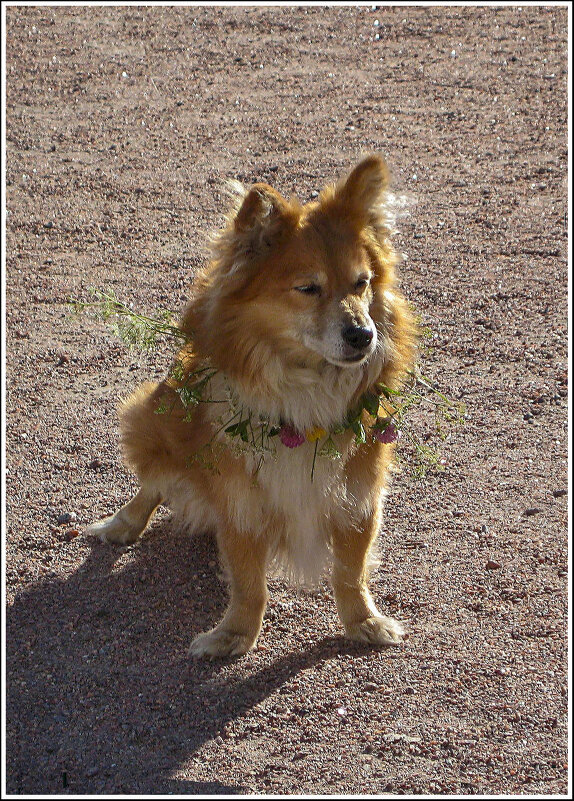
[(357, 337)]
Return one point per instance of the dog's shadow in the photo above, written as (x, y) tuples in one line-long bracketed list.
[(101, 696)]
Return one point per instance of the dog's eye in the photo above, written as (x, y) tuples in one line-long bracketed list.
[(309, 289), (362, 283)]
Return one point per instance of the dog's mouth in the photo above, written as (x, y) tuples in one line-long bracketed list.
[(345, 351), (356, 357), (349, 361)]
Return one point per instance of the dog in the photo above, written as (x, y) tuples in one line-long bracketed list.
[(268, 430)]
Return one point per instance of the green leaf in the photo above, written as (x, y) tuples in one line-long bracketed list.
[(238, 430), (329, 449), (371, 403), (359, 432), (178, 372)]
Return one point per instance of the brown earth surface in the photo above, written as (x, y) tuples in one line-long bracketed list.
[(122, 126)]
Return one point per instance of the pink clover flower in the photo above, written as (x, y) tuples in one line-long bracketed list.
[(290, 437)]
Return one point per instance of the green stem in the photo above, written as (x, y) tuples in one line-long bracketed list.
[(314, 458), (122, 309)]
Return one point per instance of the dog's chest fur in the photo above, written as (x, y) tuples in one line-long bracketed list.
[(290, 496), (292, 504)]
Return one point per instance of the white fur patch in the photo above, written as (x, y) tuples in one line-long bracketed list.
[(191, 511)]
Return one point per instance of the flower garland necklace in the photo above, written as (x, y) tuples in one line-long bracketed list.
[(257, 431)]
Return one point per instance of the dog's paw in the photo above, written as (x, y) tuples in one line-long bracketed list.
[(376, 630), (220, 642), (114, 529)]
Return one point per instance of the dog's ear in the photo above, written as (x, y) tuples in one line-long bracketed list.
[(261, 206), (258, 219), (261, 218), (363, 193)]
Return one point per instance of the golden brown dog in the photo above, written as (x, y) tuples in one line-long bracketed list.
[(268, 430)]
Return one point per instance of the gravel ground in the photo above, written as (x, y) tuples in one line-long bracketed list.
[(123, 123)]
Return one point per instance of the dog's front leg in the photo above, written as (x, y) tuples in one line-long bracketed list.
[(245, 558), (357, 610)]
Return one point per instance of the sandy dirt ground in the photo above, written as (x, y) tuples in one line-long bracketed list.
[(123, 124)]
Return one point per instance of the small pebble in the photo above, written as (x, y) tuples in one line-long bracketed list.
[(492, 565), (530, 512), (67, 517)]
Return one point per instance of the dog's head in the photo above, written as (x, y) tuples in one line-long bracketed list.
[(294, 286)]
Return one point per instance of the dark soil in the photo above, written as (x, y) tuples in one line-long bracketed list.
[(123, 124)]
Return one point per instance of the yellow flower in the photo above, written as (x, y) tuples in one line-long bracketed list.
[(315, 433)]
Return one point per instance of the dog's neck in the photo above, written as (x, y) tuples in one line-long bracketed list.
[(312, 408), (304, 399), (278, 387)]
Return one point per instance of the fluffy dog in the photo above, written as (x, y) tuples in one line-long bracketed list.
[(268, 429)]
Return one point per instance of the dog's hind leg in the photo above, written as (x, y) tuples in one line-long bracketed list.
[(130, 521)]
